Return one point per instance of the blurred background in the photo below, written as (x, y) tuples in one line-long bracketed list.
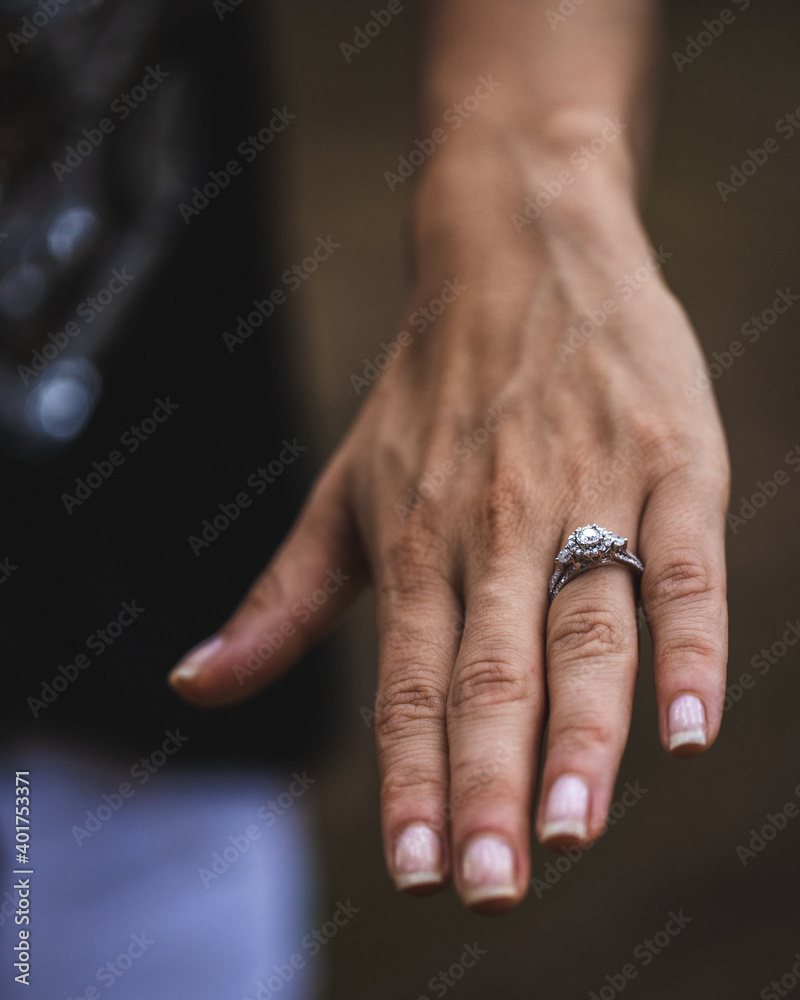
[(677, 847), (673, 848)]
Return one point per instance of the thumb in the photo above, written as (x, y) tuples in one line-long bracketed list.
[(313, 577)]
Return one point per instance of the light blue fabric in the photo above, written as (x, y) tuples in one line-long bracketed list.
[(144, 890)]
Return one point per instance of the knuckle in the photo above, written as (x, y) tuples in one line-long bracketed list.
[(470, 783), (665, 445), (408, 779), (712, 464), (579, 733), (410, 641), (407, 706), (682, 578), (414, 561), (488, 681), (673, 449), (504, 512), (720, 467), (694, 643), (583, 633)]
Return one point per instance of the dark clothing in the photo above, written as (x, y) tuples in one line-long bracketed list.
[(182, 423)]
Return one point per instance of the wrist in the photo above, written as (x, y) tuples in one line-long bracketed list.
[(498, 200)]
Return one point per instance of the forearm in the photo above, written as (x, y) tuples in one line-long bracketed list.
[(553, 90), (597, 62)]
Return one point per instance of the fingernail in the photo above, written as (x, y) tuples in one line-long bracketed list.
[(417, 857), (488, 870), (192, 664), (567, 808), (687, 722)]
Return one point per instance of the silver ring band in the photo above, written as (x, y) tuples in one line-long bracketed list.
[(587, 548)]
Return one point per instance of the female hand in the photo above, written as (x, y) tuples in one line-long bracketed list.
[(548, 394)]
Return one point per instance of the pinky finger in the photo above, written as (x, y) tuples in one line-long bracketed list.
[(684, 600)]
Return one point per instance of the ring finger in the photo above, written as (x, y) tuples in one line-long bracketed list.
[(592, 656)]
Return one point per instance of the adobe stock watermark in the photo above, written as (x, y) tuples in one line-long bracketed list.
[(711, 30), (624, 289), (787, 126), (419, 321), (453, 118), (131, 439), (581, 159), (248, 149), (121, 109), (258, 481), (311, 945), (569, 856), (644, 953), (108, 974), (30, 25), (464, 450), (365, 35), (564, 10), (142, 771), (6, 569), (292, 278), (446, 979), (224, 7), (88, 310), (267, 815), (10, 904), (783, 987), (98, 642), (751, 330), (764, 492), (775, 823), (301, 613), (761, 663)]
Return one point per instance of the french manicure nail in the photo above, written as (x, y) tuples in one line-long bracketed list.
[(195, 660), (567, 808), (417, 857), (687, 722), (488, 870)]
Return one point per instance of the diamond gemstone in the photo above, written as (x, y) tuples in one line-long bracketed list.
[(589, 536)]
